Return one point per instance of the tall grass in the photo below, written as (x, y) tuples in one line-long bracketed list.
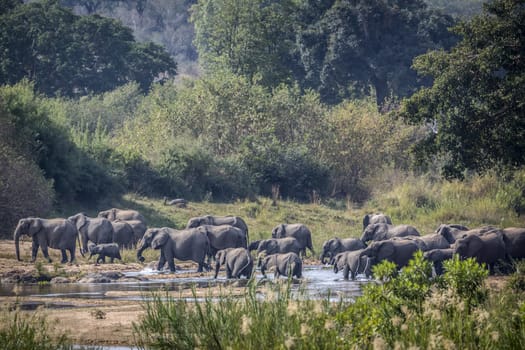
[(408, 309), (267, 318), (31, 331)]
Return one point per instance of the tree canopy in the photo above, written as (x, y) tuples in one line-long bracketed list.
[(358, 48), (477, 101), (72, 55)]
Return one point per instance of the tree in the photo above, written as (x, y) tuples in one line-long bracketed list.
[(349, 47), (73, 55), (251, 38), (477, 101)]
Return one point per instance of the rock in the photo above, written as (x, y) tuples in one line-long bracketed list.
[(59, 280)]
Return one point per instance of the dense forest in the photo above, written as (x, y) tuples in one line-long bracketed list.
[(298, 99)]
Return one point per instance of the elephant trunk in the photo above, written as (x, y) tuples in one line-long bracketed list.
[(16, 237), (323, 256), (142, 246)]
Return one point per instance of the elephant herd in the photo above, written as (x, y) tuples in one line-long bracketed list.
[(381, 240), (105, 235), (226, 240)]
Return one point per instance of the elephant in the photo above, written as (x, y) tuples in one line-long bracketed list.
[(138, 227), (223, 236), (235, 221), (352, 264), (287, 264), (514, 238), (437, 256), (378, 218), (398, 251), (189, 244), (123, 234), (279, 245), (451, 231), (486, 247), (297, 231), (428, 242), (96, 230), (122, 214), (111, 250), (254, 245), (53, 233), (238, 262), (336, 245), (380, 232)]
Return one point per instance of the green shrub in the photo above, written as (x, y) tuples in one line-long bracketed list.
[(31, 331)]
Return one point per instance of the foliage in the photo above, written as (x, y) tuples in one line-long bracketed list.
[(410, 309), (245, 322), (476, 102), (251, 38), (47, 143), (20, 330), (466, 279), (70, 55), (457, 8), (351, 47), (165, 22)]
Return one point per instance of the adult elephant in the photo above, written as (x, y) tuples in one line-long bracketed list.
[(486, 247), (235, 221), (380, 232), (297, 231), (451, 232), (123, 234), (437, 256), (238, 262), (336, 245), (279, 245), (288, 264), (96, 230), (352, 263), (514, 238), (377, 218), (138, 227), (428, 242), (47, 233), (397, 251), (222, 237), (122, 214), (189, 244)]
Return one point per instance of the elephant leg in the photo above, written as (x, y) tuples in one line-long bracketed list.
[(111, 260), (72, 255), (43, 247), (64, 256), (34, 249), (346, 272), (162, 261), (171, 264), (229, 272)]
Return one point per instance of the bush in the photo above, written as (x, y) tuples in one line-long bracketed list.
[(29, 331)]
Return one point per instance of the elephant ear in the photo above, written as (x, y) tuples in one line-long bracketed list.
[(366, 220), (386, 249), (336, 243), (159, 240), (35, 226), (475, 243)]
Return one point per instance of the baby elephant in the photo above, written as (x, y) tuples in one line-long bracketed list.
[(238, 262), (352, 264), (287, 264), (106, 249)]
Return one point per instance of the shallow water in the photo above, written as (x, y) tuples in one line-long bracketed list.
[(318, 282)]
